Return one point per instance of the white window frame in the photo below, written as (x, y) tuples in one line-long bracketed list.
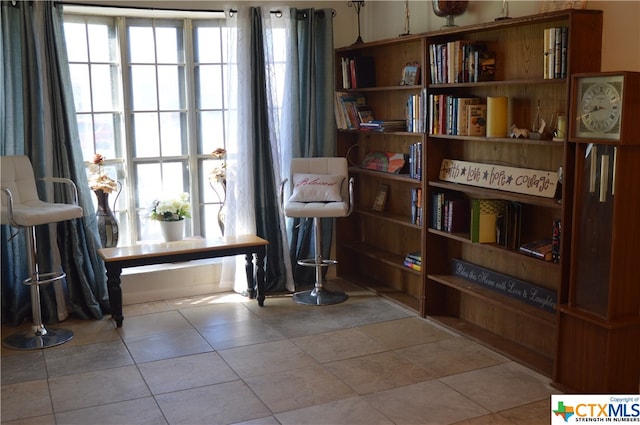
[(196, 165)]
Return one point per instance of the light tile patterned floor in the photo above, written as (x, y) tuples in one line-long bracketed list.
[(221, 359)]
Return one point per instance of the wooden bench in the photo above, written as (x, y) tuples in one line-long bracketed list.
[(115, 259)]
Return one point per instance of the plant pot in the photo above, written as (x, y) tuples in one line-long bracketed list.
[(172, 230)]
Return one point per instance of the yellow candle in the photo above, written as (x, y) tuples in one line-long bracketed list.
[(497, 116), (562, 126)]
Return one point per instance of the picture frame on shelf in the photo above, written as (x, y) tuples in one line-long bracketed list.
[(411, 74), (381, 198)]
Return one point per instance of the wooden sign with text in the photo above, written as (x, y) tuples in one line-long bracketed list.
[(510, 179), (526, 292)]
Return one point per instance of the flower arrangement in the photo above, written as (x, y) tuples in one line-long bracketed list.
[(98, 180), (171, 209), (219, 173)]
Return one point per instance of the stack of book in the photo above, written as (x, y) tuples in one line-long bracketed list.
[(413, 260), (461, 61), (456, 115), (416, 206), (358, 72), (350, 110), (541, 249), (384, 125), (555, 52), (416, 112), (415, 161), (449, 213)]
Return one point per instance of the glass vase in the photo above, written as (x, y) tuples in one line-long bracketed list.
[(107, 222), (449, 10)]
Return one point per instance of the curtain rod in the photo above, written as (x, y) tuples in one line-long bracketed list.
[(277, 13)]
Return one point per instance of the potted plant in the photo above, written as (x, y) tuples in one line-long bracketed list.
[(170, 213)]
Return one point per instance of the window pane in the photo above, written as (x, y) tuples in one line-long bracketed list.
[(102, 88), (173, 142), (143, 87), (105, 135), (213, 191), (208, 45), (99, 46), (141, 45), (209, 87), (85, 132), (210, 228), (146, 141), (81, 87), (210, 131), (76, 39), (169, 83), (172, 179), (167, 44)]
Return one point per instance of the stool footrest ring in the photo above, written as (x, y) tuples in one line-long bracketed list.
[(44, 278), (311, 262)]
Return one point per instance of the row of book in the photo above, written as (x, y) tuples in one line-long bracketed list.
[(461, 61), (415, 161), (351, 110), (457, 115), (555, 52), (413, 260), (493, 221), (358, 72), (416, 206), (485, 220), (416, 108)]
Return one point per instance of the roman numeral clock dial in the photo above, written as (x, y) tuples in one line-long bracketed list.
[(599, 107)]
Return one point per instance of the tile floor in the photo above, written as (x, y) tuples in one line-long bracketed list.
[(221, 359)]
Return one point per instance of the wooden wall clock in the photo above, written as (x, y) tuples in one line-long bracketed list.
[(605, 107)]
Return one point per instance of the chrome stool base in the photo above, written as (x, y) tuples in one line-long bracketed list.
[(320, 296), (32, 340)]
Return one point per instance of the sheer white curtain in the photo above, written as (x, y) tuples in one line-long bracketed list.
[(240, 215)]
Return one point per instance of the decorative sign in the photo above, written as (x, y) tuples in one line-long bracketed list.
[(510, 179), (533, 295)]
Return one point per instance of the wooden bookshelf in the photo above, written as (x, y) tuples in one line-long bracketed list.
[(371, 246)]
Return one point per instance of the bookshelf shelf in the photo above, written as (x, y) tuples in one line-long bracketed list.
[(395, 218), (494, 83), (530, 313), (482, 193)]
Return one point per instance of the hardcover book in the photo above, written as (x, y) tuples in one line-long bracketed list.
[(485, 216), (476, 120), (542, 249)]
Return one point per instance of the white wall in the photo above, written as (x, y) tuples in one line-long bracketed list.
[(621, 24)]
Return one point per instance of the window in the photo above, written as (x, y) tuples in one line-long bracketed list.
[(150, 96)]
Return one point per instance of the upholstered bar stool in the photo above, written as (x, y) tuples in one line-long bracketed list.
[(320, 188), (22, 208)]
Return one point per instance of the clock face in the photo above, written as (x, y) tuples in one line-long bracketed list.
[(599, 107)]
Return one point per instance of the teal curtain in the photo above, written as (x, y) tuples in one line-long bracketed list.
[(312, 121), (267, 211), (38, 120)]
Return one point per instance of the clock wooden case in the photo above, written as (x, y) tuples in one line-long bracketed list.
[(606, 107), (599, 313)]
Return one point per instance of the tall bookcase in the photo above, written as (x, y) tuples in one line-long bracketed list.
[(372, 245)]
